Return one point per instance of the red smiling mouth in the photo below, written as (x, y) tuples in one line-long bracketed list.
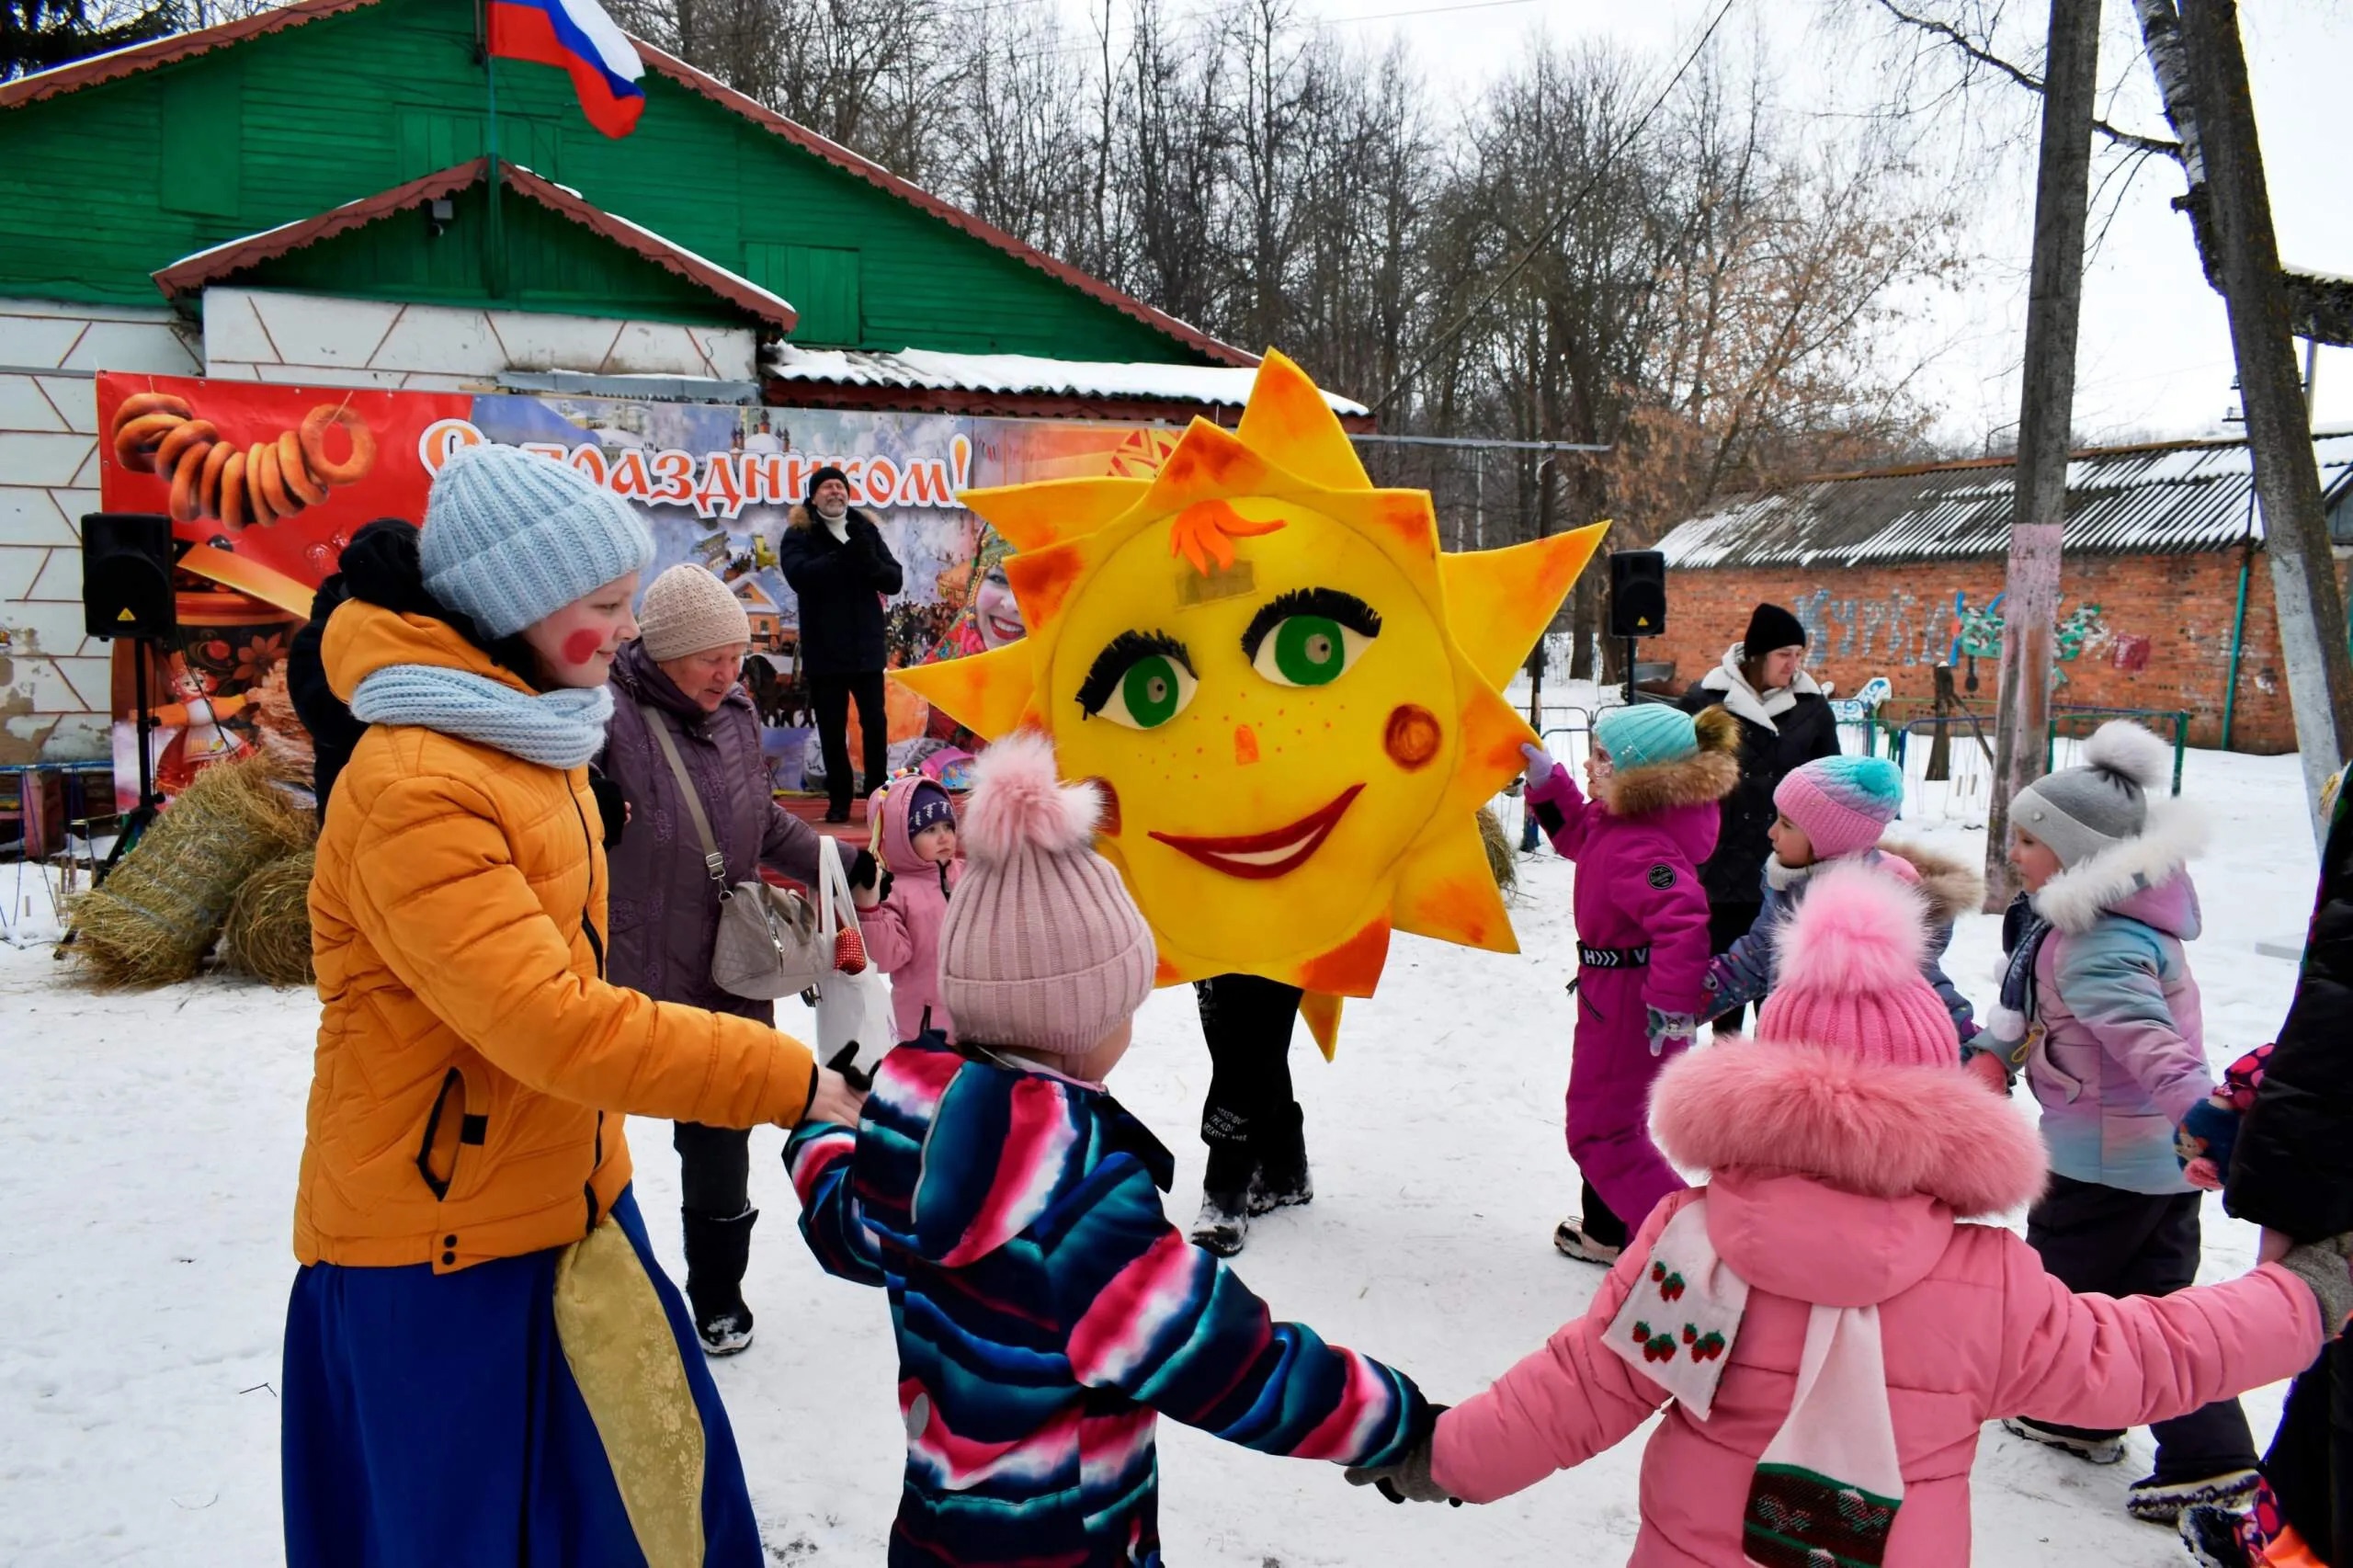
[(1256, 857)]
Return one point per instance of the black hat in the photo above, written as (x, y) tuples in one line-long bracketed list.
[(825, 473), (1771, 627)]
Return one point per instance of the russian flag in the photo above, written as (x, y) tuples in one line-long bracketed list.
[(576, 35)]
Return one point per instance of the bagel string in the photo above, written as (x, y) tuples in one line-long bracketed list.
[(262, 482)]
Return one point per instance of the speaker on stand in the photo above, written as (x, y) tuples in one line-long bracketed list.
[(1637, 601), (127, 593)]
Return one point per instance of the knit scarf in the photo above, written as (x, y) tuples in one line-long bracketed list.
[(1827, 1486), (557, 729), (2009, 1025)]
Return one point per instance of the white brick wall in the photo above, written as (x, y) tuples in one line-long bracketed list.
[(53, 681), (316, 340)]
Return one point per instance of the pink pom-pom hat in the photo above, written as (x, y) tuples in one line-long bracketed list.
[(1850, 973), (1043, 950)]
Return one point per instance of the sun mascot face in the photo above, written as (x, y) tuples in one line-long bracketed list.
[(1287, 693)]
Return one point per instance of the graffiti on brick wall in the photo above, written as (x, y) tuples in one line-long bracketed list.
[(1899, 628)]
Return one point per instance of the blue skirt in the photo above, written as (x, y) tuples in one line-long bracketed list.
[(442, 1419)]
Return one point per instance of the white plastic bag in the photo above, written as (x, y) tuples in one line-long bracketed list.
[(853, 1010)]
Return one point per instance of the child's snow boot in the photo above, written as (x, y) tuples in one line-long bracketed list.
[(718, 1251), (1570, 1237), (2163, 1501), (2216, 1537), (2092, 1448)]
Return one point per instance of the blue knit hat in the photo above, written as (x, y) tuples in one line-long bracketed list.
[(511, 538), (1645, 732)]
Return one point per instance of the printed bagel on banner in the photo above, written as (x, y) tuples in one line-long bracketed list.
[(266, 485)]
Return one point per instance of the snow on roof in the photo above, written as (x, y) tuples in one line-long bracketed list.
[(930, 370), (2164, 498)]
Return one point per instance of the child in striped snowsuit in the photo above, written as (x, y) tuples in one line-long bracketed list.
[(1046, 1309)]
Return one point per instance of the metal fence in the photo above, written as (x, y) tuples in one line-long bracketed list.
[(1947, 758)]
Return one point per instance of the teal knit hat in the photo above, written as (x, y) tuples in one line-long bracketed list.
[(511, 538), (1645, 732)]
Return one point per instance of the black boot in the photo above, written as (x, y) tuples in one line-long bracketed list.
[(1281, 1180), (717, 1253), (1224, 1221)]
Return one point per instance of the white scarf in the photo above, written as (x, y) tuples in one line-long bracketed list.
[(1830, 1481), (1757, 708)]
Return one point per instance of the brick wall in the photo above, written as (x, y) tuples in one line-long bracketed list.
[(2160, 637), (54, 681)]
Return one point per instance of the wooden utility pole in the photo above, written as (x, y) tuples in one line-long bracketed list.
[(2046, 411), (2287, 476)]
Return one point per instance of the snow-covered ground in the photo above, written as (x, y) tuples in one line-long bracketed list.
[(148, 1148)]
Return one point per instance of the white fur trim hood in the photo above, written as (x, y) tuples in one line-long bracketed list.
[(2174, 835)]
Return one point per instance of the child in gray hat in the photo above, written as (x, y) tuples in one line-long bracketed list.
[(2099, 1010)]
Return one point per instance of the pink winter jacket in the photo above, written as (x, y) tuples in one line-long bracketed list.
[(902, 932), (1841, 1183)]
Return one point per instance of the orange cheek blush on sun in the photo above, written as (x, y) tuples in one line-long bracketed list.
[(1412, 738)]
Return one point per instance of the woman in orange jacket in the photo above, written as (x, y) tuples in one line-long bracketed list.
[(483, 1362)]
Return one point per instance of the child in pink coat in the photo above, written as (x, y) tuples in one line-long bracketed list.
[(914, 838), (1641, 920), (1826, 1335)]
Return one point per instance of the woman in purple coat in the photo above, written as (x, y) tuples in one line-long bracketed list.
[(683, 674), (1642, 917)]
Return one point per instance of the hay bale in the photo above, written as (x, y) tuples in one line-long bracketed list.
[(284, 739), (163, 906), (267, 934), (1502, 863)]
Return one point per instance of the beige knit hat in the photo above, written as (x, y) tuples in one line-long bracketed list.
[(687, 611), (1043, 950)]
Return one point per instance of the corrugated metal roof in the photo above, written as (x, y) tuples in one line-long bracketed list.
[(934, 370), (2166, 499)]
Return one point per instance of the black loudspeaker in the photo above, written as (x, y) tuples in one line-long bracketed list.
[(1637, 593), (127, 575)]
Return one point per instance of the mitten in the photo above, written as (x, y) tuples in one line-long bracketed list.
[(870, 884), (1407, 1480), (1666, 1027), (2210, 1130), (2322, 1266), (1547, 779)]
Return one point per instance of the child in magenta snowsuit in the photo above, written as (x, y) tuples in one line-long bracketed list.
[(914, 838), (1642, 919), (1824, 1334)]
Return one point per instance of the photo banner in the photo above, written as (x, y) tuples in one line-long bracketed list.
[(266, 485)]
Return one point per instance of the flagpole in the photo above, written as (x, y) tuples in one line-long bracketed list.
[(495, 233)]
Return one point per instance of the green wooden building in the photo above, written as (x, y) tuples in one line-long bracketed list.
[(312, 196)]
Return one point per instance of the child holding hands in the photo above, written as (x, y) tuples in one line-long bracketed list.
[(1642, 917), (1824, 1332), (898, 916), (1045, 1307)]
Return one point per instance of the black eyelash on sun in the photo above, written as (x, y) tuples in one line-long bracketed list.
[(1330, 603), (1115, 661)]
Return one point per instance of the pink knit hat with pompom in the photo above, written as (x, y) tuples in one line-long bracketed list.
[(1043, 950), (1850, 973)]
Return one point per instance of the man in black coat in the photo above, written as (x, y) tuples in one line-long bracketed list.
[(834, 557), (2291, 1172), (1785, 723)]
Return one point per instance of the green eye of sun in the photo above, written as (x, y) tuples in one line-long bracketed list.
[(1151, 691), (1310, 651)]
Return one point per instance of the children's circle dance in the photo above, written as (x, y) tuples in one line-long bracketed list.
[(1809, 1281)]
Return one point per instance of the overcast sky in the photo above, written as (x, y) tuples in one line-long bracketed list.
[(2156, 353)]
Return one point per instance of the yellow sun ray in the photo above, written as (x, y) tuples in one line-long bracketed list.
[(1499, 601), (1321, 1011), (1031, 517), (1193, 644)]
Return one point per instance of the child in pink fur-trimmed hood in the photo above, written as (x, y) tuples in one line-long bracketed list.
[(1826, 1335)]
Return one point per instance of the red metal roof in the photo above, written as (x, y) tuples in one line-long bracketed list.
[(191, 273), (141, 57)]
